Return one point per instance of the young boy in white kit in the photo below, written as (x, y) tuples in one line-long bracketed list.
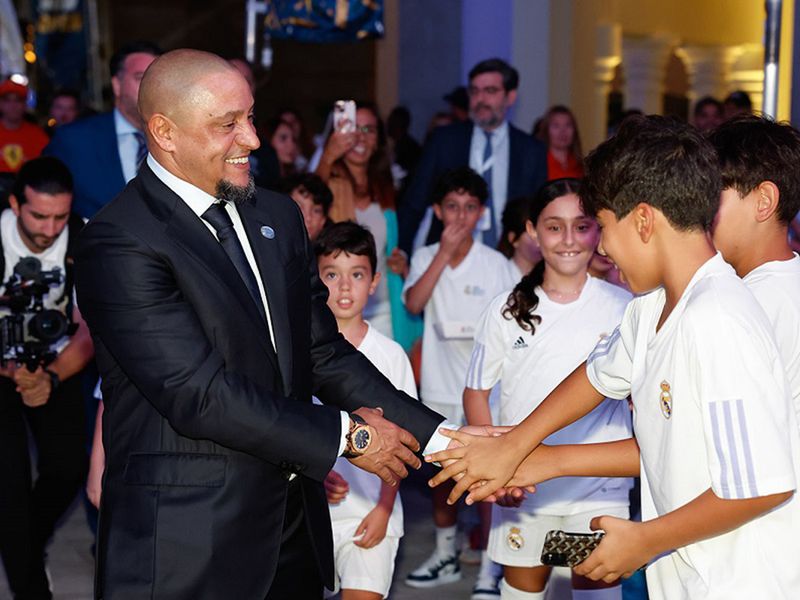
[(760, 162), (366, 514), (716, 435), (452, 281)]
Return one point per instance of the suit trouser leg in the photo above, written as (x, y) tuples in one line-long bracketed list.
[(58, 431), (297, 576)]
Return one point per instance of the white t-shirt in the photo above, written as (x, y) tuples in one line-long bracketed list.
[(378, 309), (459, 297), (14, 249), (776, 286), (530, 366), (711, 410), (365, 488)]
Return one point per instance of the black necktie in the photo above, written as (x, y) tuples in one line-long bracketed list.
[(220, 220)]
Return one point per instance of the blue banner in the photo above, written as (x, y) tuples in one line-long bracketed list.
[(60, 43), (324, 20)]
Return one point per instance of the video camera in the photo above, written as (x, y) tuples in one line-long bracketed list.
[(28, 333)]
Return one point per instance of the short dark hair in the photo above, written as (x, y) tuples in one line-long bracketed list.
[(707, 101), (348, 237), (660, 161), (117, 62), (460, 180), (67, 93), (753, 149), (313, 184), (740, 99), (46, 175), (497, 65)]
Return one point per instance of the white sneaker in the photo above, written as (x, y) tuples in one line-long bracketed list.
[(486, 588), (437, 570)]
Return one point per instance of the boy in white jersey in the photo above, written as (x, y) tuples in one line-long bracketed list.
[(717, 436), (760, 162), (452, 281), (366, 514)]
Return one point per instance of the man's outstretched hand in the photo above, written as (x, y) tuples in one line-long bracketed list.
[(391, 448)]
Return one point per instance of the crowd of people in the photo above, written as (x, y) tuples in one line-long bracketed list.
[(573, 322)]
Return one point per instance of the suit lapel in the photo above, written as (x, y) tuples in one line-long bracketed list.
[(514, 160), (186, 229), (273, 275), (108, 153)]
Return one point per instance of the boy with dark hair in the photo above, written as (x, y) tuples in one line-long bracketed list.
[(366, 514), (717, 441), (452, 282), (760, 162), (313, 197)]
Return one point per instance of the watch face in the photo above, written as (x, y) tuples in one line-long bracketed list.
[(361, 439)]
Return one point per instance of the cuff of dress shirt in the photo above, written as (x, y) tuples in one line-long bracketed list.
[(439, 442), (345, 431)]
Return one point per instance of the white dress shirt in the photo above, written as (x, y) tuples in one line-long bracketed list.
[(127, 144), (499, 163)]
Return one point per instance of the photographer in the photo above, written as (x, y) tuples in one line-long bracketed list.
[(39, 382)]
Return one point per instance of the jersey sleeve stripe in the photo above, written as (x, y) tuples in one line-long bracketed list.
[(477, 352), (732, 446), (604, 346)]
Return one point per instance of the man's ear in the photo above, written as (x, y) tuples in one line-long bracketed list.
[(767, 200), (14, 204), (511, 98), (162, 131), (644, 221)]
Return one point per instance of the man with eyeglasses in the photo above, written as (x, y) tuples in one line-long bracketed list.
[(512, 162)]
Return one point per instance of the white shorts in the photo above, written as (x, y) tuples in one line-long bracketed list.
[(453, 413), (517, 536), (368, 569)]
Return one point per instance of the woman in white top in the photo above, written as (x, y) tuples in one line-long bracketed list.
[(529, 340)]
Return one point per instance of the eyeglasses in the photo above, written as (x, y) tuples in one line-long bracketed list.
[(490, 90), (366, 129)]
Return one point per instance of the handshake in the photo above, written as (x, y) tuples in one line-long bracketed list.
[(478, 457)]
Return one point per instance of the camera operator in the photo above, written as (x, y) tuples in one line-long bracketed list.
[(47, 395)]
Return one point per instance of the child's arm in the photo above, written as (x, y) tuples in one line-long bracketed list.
[(628, 545), (373, 526), (417, 295), (494, 460), (476, 407), (336, 487)]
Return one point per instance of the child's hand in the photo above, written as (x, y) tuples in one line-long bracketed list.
[(336, 487), (373, 528), (624, 549), (451, 239), (397, 262)]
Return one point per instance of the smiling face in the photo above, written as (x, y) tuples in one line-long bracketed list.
[(350, 283), (621, 241), (212, 135), (366, 138), (567, 237)]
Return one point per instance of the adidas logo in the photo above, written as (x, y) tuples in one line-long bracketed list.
[(519, 344)]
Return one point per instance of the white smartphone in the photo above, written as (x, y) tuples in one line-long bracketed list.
[(344, 116)]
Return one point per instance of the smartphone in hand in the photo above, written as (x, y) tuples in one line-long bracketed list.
[(344, 116)]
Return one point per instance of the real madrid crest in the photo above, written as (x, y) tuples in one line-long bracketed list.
[(514, 539), (665, 400)]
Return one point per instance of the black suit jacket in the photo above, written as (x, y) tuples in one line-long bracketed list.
[(203, 421), (448, 148)]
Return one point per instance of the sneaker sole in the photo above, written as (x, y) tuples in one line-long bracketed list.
[(441, 580)]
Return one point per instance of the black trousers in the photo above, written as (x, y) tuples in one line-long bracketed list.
[(297, 576), (29, 511)]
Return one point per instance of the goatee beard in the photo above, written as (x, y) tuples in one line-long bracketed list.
[(237, 194)]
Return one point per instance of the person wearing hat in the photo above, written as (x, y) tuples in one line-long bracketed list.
[(20, 140)]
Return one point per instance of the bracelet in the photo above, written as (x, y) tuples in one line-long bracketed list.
[(55, 380)]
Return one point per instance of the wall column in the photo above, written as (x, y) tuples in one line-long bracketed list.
[(643, 62), (607, 56), (709, 68)]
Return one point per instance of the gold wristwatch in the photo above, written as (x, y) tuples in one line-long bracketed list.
[(358, 438)]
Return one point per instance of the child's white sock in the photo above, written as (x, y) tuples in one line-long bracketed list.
[(612, 593), (446, 540), (489, 568), (510, 593)]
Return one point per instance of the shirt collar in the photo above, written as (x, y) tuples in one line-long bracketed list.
[(498, 134), (122, 125), (197, 200)]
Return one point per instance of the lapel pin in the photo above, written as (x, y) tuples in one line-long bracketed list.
[(268, 232)]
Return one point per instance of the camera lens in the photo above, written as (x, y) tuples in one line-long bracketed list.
[(48, 326)]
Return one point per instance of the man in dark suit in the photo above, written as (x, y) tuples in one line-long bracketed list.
[(103, 151), (512, 162), (212, 332)]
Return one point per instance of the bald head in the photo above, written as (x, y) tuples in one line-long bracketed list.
[(179, 80)]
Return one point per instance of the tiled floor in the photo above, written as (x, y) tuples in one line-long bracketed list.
[(71, 565)]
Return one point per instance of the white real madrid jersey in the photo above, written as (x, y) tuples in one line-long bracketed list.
[(711, 410)]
